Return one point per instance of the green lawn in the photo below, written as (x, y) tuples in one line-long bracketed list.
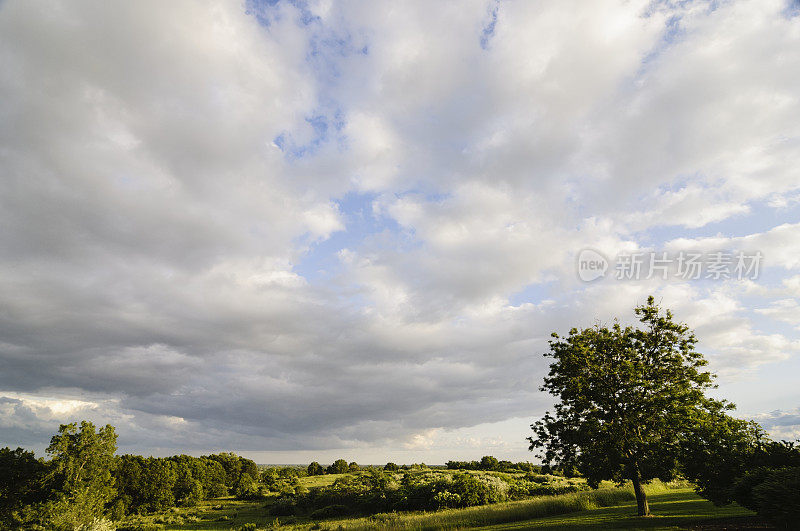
[(320, 481), (679, 509), (610, 508)]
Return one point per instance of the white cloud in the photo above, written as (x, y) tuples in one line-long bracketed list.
[(167, 176), (781, 424)]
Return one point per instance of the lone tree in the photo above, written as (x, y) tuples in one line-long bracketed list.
[(630, 401)]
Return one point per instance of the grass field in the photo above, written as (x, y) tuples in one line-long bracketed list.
[(679, 509), (606, 508), (320, 481)]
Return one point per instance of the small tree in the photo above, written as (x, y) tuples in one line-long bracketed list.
[(629, 400), (390, 467), (339, 466), (489, 462), (315, 469)]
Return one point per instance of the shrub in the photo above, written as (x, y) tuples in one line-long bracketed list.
[(331, 511), (474, 491), (446, 499), (777, 498), (247, 489), (283, 506)]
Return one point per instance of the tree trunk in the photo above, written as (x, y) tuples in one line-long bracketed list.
[(641, 497)]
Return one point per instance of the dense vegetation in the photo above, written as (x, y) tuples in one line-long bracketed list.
[(375, 491), (84, 481), (84, 484), (489, 462)]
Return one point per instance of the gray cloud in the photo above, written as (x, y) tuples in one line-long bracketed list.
[(153, 223)]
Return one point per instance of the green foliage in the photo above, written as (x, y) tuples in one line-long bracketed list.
[(330, 511), (629, 399), (489, 463), (605, 508), (283, 480), (777, 497), (152, 484), (234, 466), (315, 469), (732, 460), (81, 465), (188, 491), (391, 467), (717, 450), (249, 489), (537, 485), (339, 466), (283, 506), (22, 483), (769, 484), (377, 491), (531, 512), (473, 491)]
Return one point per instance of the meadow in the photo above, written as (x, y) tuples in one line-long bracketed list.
[(226, 491), (675, 506)]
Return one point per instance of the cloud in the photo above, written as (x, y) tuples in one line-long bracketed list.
[(781, 424), (172, 180)]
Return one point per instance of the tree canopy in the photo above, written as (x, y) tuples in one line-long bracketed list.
[(81, 466), (630, 400)]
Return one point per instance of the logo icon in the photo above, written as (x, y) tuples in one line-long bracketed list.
[(591, 265)]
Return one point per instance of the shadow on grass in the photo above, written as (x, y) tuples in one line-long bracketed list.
[(671, 510)]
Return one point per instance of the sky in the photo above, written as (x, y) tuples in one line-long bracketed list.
[(311, 230)]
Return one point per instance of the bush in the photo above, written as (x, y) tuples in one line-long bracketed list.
[(474, 491), (247, 489), (283, 506), (777, 498), (331, 511), (446, 499)]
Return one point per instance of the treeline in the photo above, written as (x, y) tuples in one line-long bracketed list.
[(84, 481), (148, 484), (489, 462), (340, 466)]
